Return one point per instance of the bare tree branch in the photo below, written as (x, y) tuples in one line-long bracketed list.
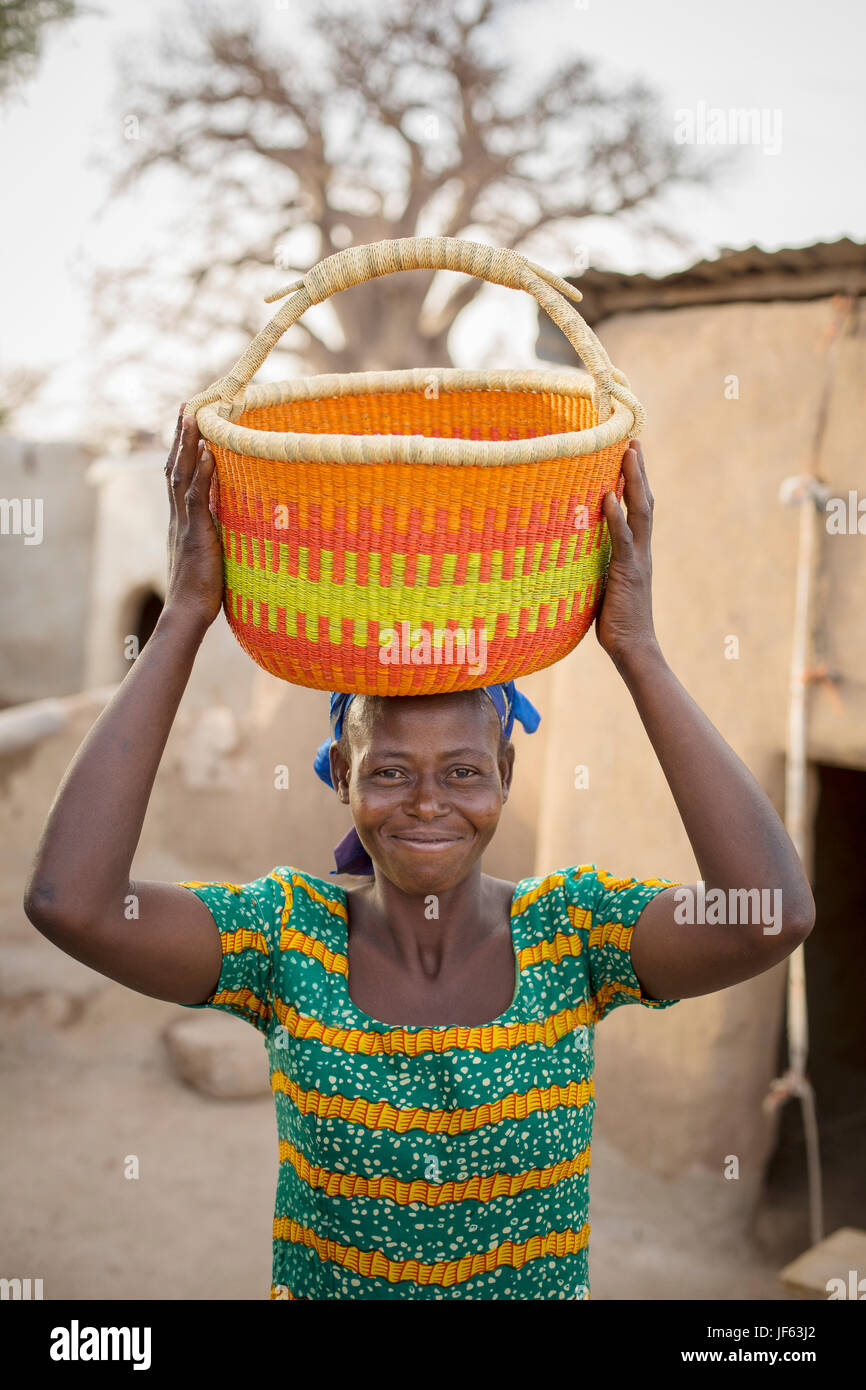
[(362, 125)]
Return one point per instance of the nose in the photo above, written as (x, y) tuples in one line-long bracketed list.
[(426, 799)]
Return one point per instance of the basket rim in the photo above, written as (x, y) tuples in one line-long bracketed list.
[(278, 446)]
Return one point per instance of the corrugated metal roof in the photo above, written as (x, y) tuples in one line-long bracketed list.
[(750, 273)]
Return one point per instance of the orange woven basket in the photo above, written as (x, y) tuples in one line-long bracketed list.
[(423, 531)]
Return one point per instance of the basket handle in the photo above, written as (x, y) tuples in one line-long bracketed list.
[(356, 264)]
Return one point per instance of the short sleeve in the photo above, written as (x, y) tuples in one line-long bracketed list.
[(605, 910), (245, 916)]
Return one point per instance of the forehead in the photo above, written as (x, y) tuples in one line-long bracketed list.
[(417, 720)]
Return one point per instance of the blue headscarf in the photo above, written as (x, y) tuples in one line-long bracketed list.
[(350, 855)]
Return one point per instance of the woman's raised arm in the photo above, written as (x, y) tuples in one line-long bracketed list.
[(744, 853), (79, 890)]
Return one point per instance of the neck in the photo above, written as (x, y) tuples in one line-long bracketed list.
[(440, 923)]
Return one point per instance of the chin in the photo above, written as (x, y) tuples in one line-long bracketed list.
[(436, 871)]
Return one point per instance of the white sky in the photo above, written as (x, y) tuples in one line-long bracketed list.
[(800, 59)]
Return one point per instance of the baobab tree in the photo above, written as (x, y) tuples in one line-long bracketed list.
[(322, 126)]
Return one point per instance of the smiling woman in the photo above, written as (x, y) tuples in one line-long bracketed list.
[(372, 715), (430, 1033), (426, 778)]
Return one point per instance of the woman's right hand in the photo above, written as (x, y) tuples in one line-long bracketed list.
[(195, 561)]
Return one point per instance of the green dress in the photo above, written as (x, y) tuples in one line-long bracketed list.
[(430, 1162)]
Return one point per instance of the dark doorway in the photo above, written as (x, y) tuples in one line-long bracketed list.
[(835, 956), (149, 610)]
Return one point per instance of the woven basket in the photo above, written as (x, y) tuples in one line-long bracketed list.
[(416, 532)]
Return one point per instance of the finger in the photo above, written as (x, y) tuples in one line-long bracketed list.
[(621, 539), (198, 493), (635, 497), (636, 444), (169, 465), (172, 453), (184, 464)]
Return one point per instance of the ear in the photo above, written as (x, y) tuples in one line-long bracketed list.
[(506, 769), (339, 772)]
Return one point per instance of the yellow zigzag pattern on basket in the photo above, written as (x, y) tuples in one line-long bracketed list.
[(372, 1264), (382, 1115), (460, 603), (483, 1038), (584, 550), (480, 1188)]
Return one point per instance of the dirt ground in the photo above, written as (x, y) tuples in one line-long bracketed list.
[(87, 1083)]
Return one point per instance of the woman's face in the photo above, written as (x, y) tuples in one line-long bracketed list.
[(425, 784)]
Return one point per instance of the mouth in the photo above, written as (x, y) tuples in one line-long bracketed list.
[(427, 842)]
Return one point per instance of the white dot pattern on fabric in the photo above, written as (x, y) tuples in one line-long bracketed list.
[(430, 1163)]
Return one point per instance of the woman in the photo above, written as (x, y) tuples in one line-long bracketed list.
[(430, 1032)]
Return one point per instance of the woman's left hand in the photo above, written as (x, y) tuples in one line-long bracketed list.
[(624, 623)]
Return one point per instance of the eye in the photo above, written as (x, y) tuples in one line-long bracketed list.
[(471, 770), (382, 771)]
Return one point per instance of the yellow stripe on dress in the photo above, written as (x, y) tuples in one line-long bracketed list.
[(548, 885), (292, 940), (199, 883), (298, 880), (243, 999), (486, 1037), (614, 885), (579, 917), (601, 1000), (480, 1188), (372, 1264), (611, 934), (616, 935), (382, 1115), (243, 940), (562, 944)]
